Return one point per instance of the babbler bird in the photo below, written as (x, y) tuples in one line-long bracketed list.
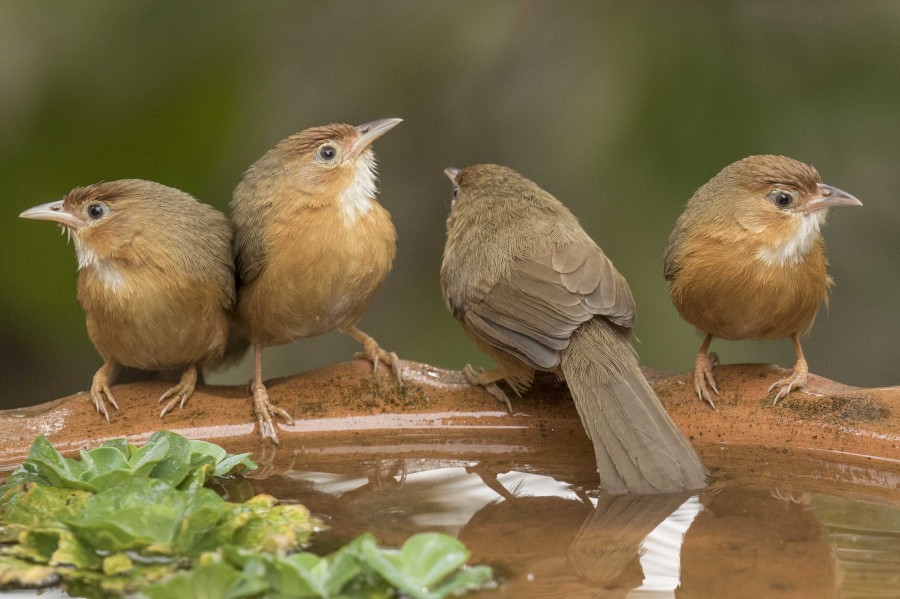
[(155, 279), (535, 292), (312, 245), (746, 259)]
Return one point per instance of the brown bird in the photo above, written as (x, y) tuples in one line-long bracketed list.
[(155, 280), (746, 259), (536, 293), (312, 245)]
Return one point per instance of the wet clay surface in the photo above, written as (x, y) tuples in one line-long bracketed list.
[(825, 415), (803, 497)]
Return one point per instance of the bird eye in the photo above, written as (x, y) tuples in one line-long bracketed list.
[(327, 153), (782, 199), (97, 211), (455, 192)]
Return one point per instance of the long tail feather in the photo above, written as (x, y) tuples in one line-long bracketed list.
[(637, 446)]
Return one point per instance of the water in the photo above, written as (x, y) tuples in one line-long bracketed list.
[(525, 500), (773, 523)]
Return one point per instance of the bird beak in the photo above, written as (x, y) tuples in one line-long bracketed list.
[(830, 196), (53, 211), (452, 173), (369, 133)]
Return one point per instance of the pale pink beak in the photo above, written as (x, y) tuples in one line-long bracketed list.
[(452, 173), (829, 196), (53, 211), (369, 133)]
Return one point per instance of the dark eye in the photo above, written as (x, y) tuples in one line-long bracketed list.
[(327, 152), (455, 192), (782, 199), (97, 211)]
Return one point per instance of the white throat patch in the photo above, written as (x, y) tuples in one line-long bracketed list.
[(359, 197), (793, 250), (108, 274)]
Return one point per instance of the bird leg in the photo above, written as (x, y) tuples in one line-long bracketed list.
[(703, 365), (488, 381), (373, 352), (100, 386), (180, 392), (798, 378), (263, 409)]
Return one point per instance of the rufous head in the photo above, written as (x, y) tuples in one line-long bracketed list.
[(103, 219), (779, 201), (327, 159), (779, 185)]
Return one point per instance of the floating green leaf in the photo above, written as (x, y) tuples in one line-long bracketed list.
[(19, 572), (429, 566), (205, 581), (167, 456), (145, 514), (424, 562), (31, 505)]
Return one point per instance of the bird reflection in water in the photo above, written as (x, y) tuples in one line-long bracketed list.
[(617, 544)]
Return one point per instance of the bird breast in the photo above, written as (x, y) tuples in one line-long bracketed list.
[(152, 321), (322, 269), (726, 288)]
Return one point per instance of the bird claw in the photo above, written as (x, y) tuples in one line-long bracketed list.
[(264, 411), (100, 402), (374, 354), (100, 387), (475, 377), (795, 381), (703, 376), (181, 392), (499, 395), (180, 398), (478, 378)]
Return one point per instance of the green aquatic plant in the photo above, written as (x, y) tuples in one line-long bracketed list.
[(428, 566), (167, 456), (138, 521)]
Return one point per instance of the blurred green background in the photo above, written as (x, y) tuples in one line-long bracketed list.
[(621, 110)]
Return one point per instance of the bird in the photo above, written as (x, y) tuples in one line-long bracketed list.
[(535, 292), (312, 246), (746, 259), (155, 279)]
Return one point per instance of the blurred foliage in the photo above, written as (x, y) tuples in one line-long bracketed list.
[(621, 110)]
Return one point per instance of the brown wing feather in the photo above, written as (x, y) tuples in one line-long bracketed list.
[(249, 249), (533, 313), (670, 265)]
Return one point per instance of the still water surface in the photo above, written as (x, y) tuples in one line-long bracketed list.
[(525, 500), (774, 523)]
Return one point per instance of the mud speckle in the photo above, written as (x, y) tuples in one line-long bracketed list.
[(666, 390), (377, 394), (856, 408)]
